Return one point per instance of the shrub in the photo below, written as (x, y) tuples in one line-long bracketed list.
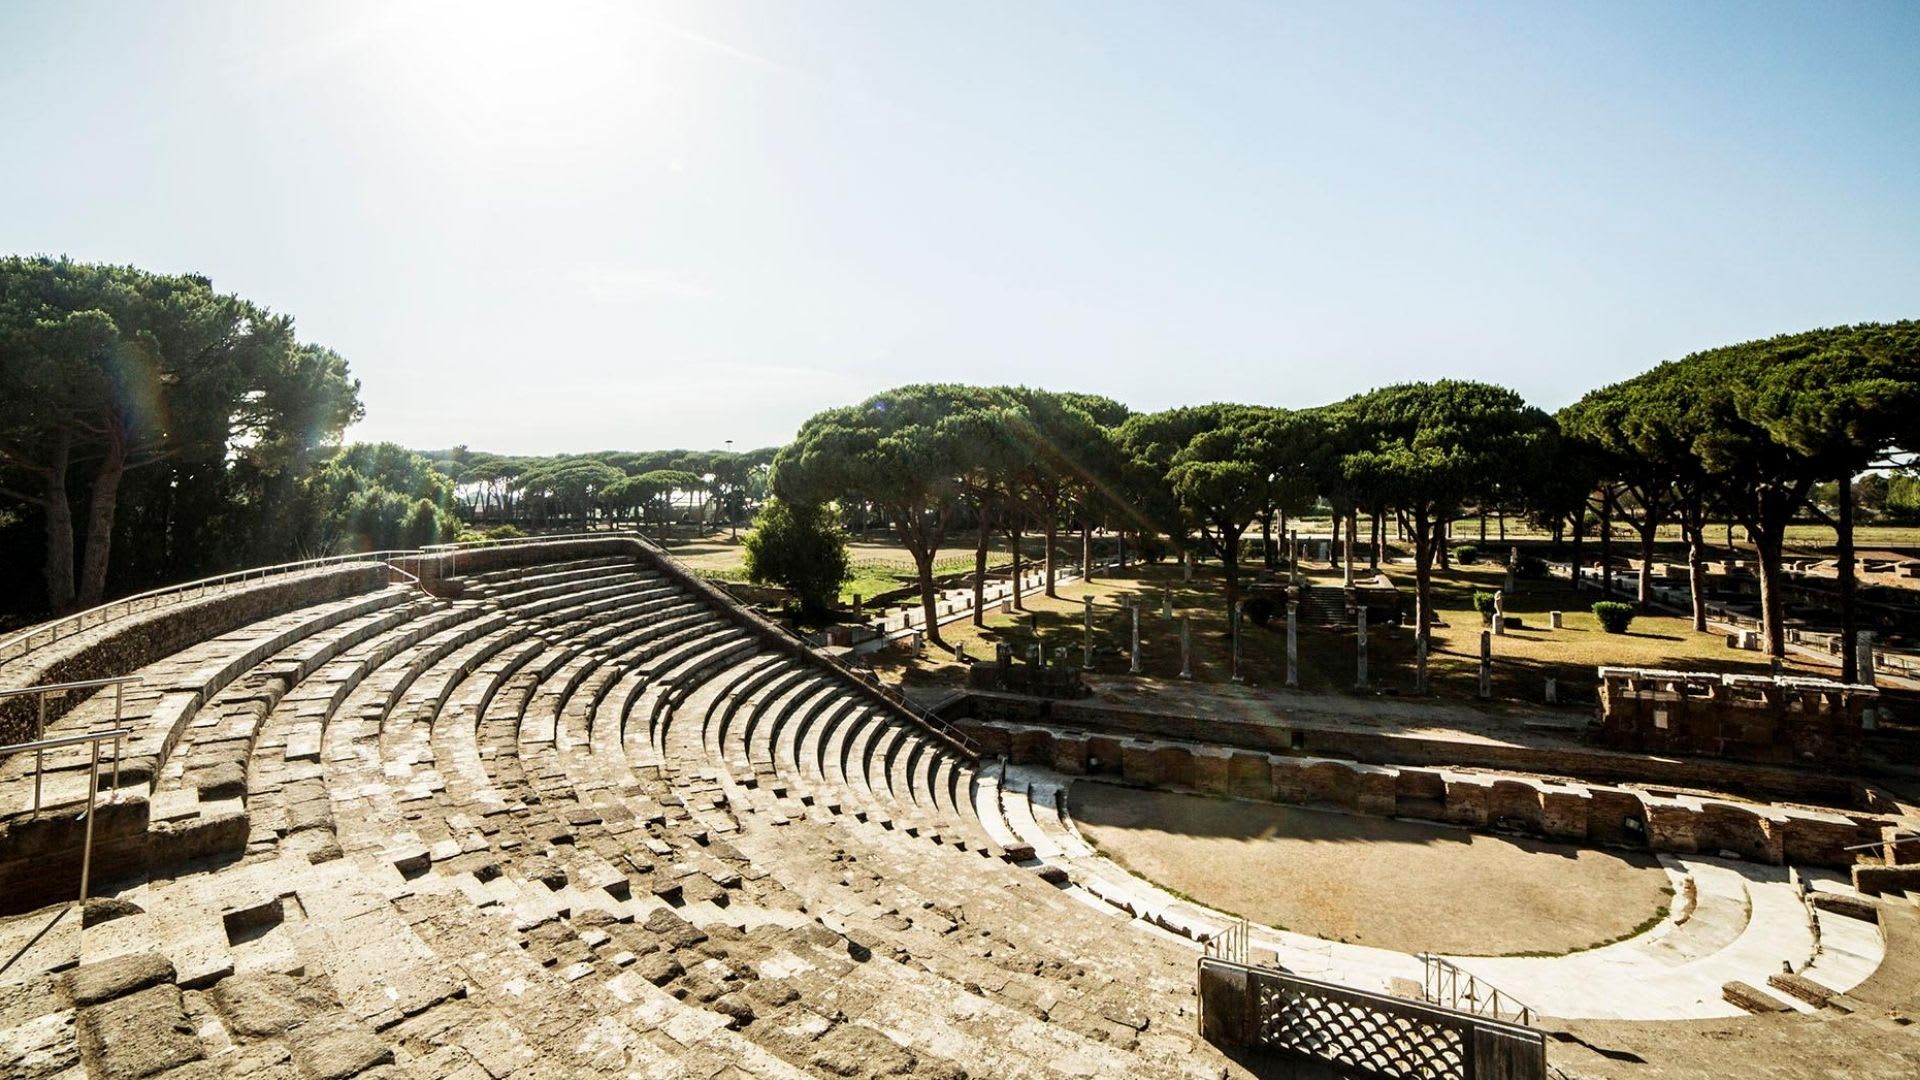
[(1483, 603), (1530, 567), (1466, 554), (1614, 616), (1261, 610), (802, 549)]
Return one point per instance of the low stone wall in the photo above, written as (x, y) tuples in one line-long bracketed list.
[(1577, 813), (134, 641), (1283, 733)]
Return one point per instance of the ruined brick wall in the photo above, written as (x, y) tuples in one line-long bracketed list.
[(1284, 732), (1574, 813)]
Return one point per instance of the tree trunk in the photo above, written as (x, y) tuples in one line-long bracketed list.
[(1379, 535), (1442, 535), (1502, 512), (1266, 541), (1086, 550), (1606, 543), (923, 568), (1579, 531), (1230, 568), (104, 500), (1697, 572), (1013, 531), (1333, 541), (58, 569), (1424, 536), (1052, 534), (1483, 527), (1767, 542), (980, 565), (1843, 531)]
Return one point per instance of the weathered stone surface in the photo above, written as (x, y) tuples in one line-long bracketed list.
[(675, 930), (105, 980), (105, 909), (337, 1053), (268, 1003), (138, 1035)]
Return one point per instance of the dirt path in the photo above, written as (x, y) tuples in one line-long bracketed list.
[(1374, 881)]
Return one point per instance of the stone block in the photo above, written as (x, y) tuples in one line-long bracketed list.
[(337, 1053), (1374, 791), (1210, 770), (1070, 755), (1031, 746), (1249, 777), (1140, 764), (217, 834), (1670, 827), (1467, 801), (1289, 779), (139, 1035), (104, 980), (1514, 804), (1563, 813)]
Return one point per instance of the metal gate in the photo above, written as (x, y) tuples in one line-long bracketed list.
[(1365, 1033)]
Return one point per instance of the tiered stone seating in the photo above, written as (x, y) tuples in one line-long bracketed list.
[(570, 815)]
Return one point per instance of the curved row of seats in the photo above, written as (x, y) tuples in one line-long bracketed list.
[(569, 817)]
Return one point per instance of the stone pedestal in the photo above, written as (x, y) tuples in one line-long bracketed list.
[(1553, 619)]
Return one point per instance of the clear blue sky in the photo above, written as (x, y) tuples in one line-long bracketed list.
[(551, 227)]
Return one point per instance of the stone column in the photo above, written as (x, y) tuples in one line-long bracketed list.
[(1166, 603), (1234, 625), (1086, 645), (1486, 665), (856, 603), (1293, 643), (1293, 556), (1135, 667), (1086, 555), (1500, 612), (1360, 639), (1419, 664), (1186, 647), (919, 645)]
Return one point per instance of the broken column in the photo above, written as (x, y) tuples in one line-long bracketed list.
[(1486, 664), (1500, 612)]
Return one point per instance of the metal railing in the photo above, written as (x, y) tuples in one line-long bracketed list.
[(40, 746), (46, 633), (1450, 986), (1234, 944)]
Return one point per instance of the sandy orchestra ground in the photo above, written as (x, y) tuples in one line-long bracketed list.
[(1394, 884)]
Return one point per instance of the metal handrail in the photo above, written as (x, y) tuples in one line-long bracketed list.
[(47, 633), (39, 746), (42, 634), (1441, 979)]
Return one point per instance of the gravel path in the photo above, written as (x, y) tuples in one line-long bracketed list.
[(1374, 881)]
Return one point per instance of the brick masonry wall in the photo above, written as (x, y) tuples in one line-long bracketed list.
[(1288, 735), (1576, 813)]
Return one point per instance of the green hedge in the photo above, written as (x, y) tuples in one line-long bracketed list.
[(1614, 616)]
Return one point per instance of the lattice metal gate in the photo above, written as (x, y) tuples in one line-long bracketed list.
[(1364, 1033)]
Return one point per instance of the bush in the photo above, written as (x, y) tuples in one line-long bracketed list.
[(1483, 603), (1261, 610), (1530, 567), (1466, 554), (1614, 616), (802, 549), (498, 532)]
